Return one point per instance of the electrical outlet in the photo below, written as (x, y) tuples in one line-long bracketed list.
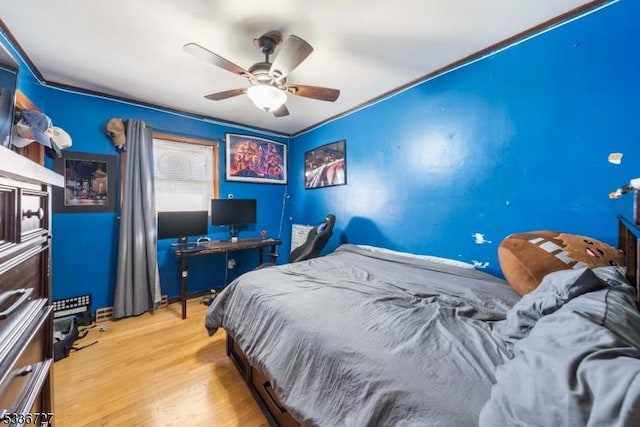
[(231, 264)]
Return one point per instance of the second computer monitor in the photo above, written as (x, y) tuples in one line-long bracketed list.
[(233, 213)]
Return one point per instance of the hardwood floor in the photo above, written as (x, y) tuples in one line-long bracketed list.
[(153, 370)]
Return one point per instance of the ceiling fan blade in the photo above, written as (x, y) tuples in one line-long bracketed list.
[(226, 94), (212, 58), (281, 111), (291, 54), (315, 92)]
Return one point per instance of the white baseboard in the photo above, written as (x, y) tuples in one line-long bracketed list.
[(106, 313)]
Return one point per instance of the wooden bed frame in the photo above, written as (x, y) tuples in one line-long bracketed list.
[(277, 415), (628, 239), (261, 389)]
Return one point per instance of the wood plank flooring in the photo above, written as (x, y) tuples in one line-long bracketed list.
[(153, 370)]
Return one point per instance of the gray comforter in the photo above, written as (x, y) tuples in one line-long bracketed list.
[(361, 338), (575, 354)]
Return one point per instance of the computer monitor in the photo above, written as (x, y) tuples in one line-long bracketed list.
[(182, 224), (233, 213)]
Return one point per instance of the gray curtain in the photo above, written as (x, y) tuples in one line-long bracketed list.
[(137, 275)]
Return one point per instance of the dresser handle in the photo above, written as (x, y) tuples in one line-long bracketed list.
[(29, 213), (24, 371), (26, 293), (32, 388)]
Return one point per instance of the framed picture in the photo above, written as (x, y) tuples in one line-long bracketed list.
[(89, 183), (253, 159), (325, 166)]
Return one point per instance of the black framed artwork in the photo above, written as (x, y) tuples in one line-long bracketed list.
[(325, 166), (89, 183)]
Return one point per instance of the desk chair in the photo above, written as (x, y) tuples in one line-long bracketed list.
[(316, 241)]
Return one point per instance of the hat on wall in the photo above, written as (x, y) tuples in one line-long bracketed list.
[(115, 130), (60, 140), (18, 141), (35, 126)]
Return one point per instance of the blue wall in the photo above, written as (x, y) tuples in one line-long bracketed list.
[(513, 142), (516, 141)]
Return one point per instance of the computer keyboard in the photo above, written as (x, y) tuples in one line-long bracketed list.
[(187, 247)]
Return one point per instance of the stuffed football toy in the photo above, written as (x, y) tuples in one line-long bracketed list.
[(525, 258)]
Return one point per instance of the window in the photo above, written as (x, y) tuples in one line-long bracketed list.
[(185, 171)]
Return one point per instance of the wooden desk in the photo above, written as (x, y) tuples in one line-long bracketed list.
[(184, 252)]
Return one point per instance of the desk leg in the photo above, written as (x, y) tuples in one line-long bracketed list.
[(261, 254), (184, 272)]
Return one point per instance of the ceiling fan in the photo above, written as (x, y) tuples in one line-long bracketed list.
[(269, 87)]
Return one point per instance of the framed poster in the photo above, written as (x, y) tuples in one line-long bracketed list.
[(89, 183), (325, 166), (253, 159)]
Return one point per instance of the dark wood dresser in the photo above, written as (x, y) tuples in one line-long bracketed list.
[(26, 317)]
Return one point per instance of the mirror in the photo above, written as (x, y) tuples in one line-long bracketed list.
[(8, 86)]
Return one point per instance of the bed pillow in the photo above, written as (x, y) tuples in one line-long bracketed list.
[(525, 258), (432, 258)]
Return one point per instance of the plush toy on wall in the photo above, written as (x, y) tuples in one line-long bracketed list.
[(525, 258)]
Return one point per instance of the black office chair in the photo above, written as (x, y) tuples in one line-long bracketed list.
[(316, 241)]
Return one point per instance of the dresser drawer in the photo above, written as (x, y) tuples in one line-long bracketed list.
[(34, 214), (26, 269), (8, 235), (267, 396), (27, 408), (19, 329), (25, 363), (235, 353), (18, 376)]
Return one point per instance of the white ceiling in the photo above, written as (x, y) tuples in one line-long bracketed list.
[(365, 48)]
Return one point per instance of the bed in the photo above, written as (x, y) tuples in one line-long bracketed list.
[(365, 336)]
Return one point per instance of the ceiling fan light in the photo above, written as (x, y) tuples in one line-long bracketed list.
[(266, 97)]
